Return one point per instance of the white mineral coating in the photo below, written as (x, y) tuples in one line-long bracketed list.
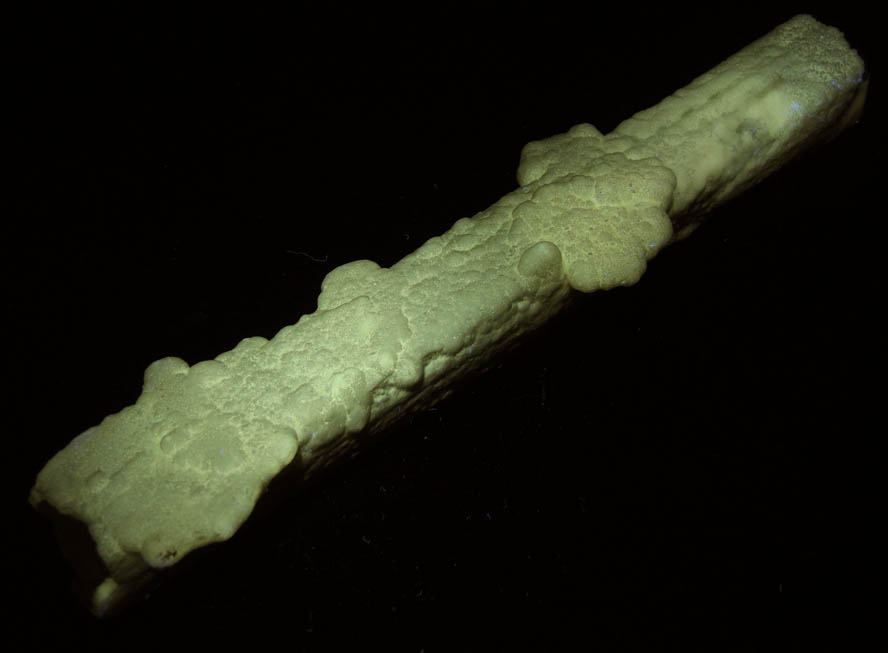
[(185, 465)]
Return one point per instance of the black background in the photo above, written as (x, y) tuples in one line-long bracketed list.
[(679, 454)]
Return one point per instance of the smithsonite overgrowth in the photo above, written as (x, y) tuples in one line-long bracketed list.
[(185, 465)]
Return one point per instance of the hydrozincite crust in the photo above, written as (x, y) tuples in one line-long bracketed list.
[(186, 464)]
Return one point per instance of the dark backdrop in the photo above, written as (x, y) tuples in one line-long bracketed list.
[(679, 453)]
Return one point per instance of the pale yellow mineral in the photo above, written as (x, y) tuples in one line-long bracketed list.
[(185, 465)]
